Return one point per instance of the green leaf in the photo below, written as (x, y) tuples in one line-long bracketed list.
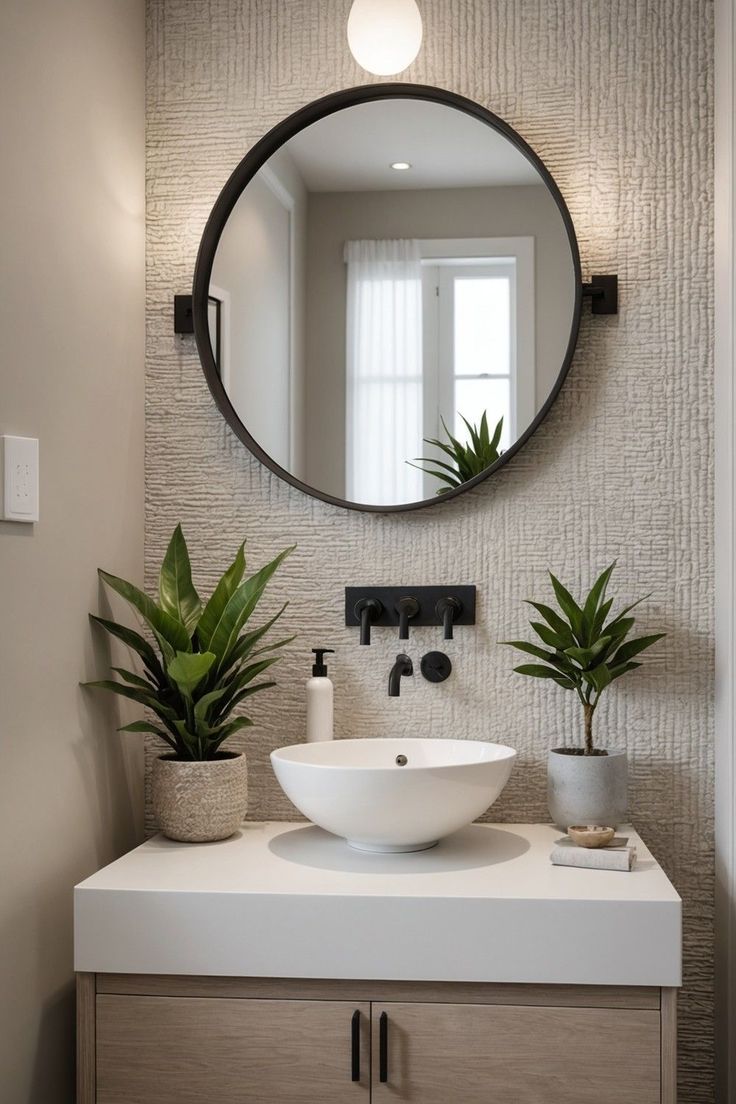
[(203, 704), (619, 628), (239, 608), (600, 617), (245, 643), (538, 670), (248, 691), (599, 677), (569, 607), (149, 699), (548, 636), (586, 656), (240, 679), (135, 680), (226, 731), (557, 659), (188, 669), (177, 595), (594, 599), (496, 436), (144, 726), (134, 641), (634, 647), (165, 626), (617, 672), (583, 656), (223, 592), (555, 622)]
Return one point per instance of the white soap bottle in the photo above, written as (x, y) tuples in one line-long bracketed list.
[(319, 699)]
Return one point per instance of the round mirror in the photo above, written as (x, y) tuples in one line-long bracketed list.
[(387, 296)]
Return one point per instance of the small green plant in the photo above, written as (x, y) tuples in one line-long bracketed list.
[(467, 460), (583, 651), (205, 664)]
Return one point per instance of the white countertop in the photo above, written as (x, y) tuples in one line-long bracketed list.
[(289, 900)]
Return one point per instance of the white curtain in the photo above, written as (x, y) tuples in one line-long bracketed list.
[(384, 371)]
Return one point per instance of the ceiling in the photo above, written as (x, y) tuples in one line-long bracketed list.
[(352, 150)]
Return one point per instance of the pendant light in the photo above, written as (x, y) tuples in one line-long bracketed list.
[(384, 36)]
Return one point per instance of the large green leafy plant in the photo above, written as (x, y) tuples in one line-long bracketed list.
[(584, 650), (466, 460), (204, 664)]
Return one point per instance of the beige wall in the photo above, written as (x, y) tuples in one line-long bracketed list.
[(71, 317), (337, 217), (616, 98)]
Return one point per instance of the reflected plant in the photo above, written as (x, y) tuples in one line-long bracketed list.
[(467, 460), (204, 664)]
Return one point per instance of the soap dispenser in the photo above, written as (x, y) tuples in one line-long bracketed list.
[(319, 699)]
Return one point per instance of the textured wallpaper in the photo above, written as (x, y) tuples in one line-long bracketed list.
[(616, 97)]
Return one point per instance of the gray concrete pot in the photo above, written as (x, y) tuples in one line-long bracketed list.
[(587, 789), (198, 802)]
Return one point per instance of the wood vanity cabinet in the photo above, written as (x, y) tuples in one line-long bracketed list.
[(145, 1039)]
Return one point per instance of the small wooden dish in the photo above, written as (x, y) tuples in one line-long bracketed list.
[(590, 835)]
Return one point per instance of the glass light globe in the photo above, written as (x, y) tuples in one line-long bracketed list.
[(384, 36)]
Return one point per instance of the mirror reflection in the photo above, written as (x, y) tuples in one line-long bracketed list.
[(391, 301)]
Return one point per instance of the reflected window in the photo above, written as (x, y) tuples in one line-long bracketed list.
[(433, 336)]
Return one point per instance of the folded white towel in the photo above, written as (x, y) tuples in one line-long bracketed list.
[(618, 855)]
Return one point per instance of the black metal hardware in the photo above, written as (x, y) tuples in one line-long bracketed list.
[(603, 294), (383, 1048), (367, 610), (355, 1046), (407, 608), (436, 666), (447, 611), (402, 667), (256, 157), (428, 598), (183, 314)]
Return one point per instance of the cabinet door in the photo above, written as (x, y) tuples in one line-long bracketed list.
[(192, 1050), (481, 1054)]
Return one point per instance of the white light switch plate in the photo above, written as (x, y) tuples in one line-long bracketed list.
[(19, 478)]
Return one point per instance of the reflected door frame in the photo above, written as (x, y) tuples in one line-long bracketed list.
[(437, 339), (277, 187)]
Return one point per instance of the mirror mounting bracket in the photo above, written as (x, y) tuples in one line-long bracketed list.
[(183, 314), (603, 294)]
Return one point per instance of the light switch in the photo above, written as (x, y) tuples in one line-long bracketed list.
[(20, 479)]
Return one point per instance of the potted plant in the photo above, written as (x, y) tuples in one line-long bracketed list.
[(585, 649), (203, 665)]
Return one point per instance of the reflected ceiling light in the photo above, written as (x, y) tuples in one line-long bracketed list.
[(384, 36), (400, 166)]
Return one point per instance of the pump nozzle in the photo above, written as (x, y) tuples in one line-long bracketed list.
[(319, 668)]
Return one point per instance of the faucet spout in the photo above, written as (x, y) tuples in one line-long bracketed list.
[(402, 666)]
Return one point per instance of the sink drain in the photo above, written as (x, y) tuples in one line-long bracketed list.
[(401, 760)]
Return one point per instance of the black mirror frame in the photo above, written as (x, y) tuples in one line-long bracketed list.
[(246, 170)]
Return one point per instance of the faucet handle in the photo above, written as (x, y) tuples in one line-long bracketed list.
[(447, 610), (406, 609), (367, 610)]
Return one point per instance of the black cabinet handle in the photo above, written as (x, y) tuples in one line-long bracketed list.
[(383, 1048), (355, 1045)]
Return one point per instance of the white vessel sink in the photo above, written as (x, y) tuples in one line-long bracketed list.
[(393, 794)]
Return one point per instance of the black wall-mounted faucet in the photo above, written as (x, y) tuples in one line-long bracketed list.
[(402, 667), (387, 606), (367, 610), (406, 608), (448, 610)]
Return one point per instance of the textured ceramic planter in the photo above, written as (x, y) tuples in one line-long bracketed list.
[(197, 802), (587, 789)]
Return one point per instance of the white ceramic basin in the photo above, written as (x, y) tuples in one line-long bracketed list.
[(393, 794)]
